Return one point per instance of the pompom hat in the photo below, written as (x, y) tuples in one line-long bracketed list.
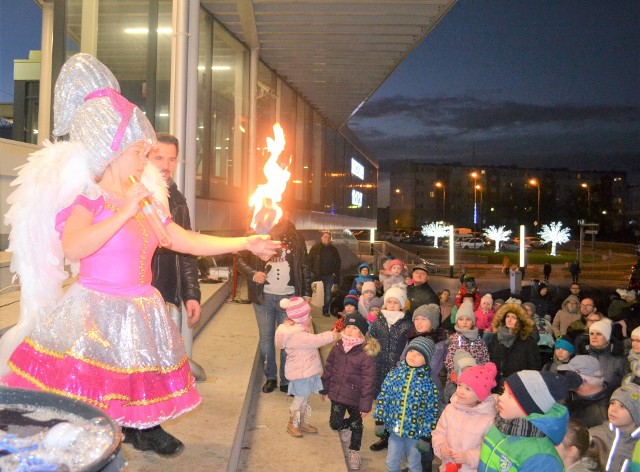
[(351, 298), (397, 293), (297, 309), (480, 378)]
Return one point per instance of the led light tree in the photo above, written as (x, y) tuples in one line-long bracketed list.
[(436, 229), (497, 234), (555, 234)]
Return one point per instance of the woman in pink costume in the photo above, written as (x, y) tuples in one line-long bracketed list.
[(108, 340)]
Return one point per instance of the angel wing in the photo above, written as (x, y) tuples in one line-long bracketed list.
[(49, 182)]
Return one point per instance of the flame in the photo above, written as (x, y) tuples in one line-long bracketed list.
[(266, 211)]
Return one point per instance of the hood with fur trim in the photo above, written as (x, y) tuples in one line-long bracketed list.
[(524, 327), (371, 346)]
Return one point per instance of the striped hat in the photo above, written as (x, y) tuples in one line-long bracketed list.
[(537, 392), (297, 309)]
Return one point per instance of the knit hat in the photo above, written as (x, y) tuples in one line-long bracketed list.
[(431, 311), (351, 298), (398, 293), (531, 306), (566, 343), (376, 302), (513, 301), (626, 293), (537, 392), (603, 326), (461, 360), (480, 378), (487, 298), (498, 300), (466, 311), (584, 365), (368, 286), (393, 262), (636, 332), (297, 308), (423, 345), (422, 267), (629, 396), (358, 321)]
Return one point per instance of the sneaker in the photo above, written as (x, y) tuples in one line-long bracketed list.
[(354, 460), (157, 440), (345, 435)]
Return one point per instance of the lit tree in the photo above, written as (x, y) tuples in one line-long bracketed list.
[(555, 234), (436, 229), (497, 235)]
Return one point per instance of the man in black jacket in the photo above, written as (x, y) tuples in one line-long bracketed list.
[(285, 275), (325, 264), (175, 275), (421, 293)]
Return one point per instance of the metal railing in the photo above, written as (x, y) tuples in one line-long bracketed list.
[(378, 252)]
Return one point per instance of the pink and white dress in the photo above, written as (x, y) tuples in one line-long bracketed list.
[(110, 341)]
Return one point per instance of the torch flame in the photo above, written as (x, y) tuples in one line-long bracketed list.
[(266, 211)]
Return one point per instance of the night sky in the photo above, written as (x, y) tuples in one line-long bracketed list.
[(544, 83)]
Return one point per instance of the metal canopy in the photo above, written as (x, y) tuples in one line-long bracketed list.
[(335, 53)]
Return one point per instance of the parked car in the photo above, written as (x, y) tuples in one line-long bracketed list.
[(473, 243), (512, 245), (416, 237), (533, 241)]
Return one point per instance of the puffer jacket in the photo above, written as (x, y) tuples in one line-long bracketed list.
[(408, 402), (462, 428), (249, 264), (303, 359), (349, 377), (175, 275), (564, 317), (619, 446), (613, 366), (392, 342)]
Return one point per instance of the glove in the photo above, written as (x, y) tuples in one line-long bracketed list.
[(424, 445), (380, 430)]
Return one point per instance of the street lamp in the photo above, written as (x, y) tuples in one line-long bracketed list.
[(474, 175), (480, 207), (444, 196), (536, 182), (586, 185)]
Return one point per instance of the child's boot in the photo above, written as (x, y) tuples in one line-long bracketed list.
[(381, 443), (304, 421), (293, 428), (354, 460)]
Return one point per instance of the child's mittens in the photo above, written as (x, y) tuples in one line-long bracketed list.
[(424, 445), (379, 429)]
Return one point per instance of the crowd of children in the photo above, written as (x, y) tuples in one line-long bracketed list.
[(474, 396)]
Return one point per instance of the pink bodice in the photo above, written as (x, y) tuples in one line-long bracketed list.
[(122, 266)]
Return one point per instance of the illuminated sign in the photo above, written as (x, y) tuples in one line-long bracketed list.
[(357, 169), (356, 198)]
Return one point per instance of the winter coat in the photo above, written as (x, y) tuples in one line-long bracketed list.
[(619, 446), (463, 428), (392, 342), (591, 410), (360, 279), (564, 317), (349, 377), (331, 266), (585, 464), (408, 402), (175, 275), (544, 304), (303, 359), (477, 348), (419, 295), (613, 366), (505, 453), (249, 264), (523, 353), (552, 365), (484, 319)]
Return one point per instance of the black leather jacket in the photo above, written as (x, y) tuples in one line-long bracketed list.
[(248, 264), (175, 275)]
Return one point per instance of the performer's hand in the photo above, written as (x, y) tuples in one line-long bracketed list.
[(134, 195), (193, 311), (262, 246), (260, 277)]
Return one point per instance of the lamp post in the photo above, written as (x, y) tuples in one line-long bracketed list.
[(399, 193), (586, 185), (536, 182), (480, 207), (444, 196), (474, 175)]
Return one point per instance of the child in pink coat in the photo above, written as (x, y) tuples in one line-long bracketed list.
[(458, 436), (484, 313), (303, 366)]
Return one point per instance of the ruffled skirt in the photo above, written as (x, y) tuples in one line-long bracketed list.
[(121, 354)]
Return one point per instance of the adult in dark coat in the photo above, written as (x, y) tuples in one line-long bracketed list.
[(420, 293), (543, 301), (512, 347), (325, 265), (285, 275), (546, 270)]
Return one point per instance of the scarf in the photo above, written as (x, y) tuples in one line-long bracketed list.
[(505, 337), (518, 427), (470, 334), (634, 362), (392, 317), (349, 342)]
